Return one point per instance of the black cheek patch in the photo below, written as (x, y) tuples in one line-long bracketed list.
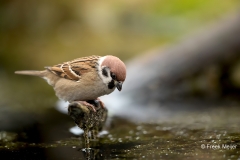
[(104, 72), (111, 85)]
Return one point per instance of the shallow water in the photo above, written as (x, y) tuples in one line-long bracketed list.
[(32, 128), (211, 134)]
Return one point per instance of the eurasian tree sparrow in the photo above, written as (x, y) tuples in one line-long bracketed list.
[(85, 78)]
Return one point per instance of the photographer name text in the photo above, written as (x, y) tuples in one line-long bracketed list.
[(219, 146)]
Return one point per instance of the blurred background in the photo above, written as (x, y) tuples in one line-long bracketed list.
[(35, 34)]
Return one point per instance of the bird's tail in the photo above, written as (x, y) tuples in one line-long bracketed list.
[(31, 73)]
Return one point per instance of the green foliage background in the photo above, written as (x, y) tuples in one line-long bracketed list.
[(34, 34), (49, 32)]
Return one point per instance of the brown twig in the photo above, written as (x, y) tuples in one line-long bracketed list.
[(88, 120)]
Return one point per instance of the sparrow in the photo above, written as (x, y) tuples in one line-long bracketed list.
[(83, 79)]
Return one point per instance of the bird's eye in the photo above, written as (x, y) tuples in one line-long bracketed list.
[(113, 76)]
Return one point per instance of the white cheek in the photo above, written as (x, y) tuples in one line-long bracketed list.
[(105, 79)]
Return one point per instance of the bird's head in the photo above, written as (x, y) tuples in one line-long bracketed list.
[(113, 71)]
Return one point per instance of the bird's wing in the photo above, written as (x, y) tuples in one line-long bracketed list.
[(75, 69)]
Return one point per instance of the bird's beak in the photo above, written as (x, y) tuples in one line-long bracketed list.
[(119, 86)]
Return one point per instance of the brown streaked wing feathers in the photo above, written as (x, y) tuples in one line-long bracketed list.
[(75, 69)]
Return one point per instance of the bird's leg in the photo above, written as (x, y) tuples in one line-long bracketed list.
[(97, 102), (101, 103), (87, 104)]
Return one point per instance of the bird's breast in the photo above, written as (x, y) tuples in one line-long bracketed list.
[(69, 90)]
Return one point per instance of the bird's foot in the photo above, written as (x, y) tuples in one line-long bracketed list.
[(101, 103), (89, 105), (97, 103)]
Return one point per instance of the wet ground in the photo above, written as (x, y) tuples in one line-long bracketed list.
[(203, 133), (32, 128)]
